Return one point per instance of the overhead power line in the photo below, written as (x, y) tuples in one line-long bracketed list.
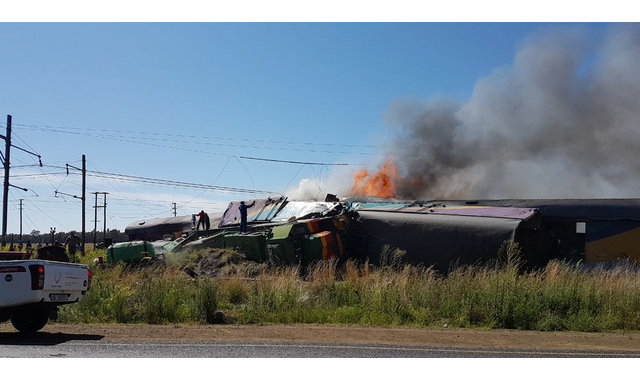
[(292, 162), (82, 132), (262, 141), (174, 183), (165, 182)]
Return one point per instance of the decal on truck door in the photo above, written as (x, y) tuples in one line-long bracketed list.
[(12, 269)]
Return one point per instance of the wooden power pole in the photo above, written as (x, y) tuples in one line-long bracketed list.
[(5, 193)]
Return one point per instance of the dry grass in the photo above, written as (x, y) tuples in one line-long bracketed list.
[(497, 295)]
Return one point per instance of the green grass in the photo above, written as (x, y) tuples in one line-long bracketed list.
[(495, 295)]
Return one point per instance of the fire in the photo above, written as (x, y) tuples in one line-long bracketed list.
[(380, 184)]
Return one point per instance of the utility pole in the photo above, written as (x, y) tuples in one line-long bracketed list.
[(83, 197), (6, 162), (104, 219), (21, 219), (84, 200), (95, 222), (174, 209), (5, 194)]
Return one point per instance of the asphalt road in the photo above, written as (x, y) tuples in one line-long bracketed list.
[(307, 341), (89, 347)]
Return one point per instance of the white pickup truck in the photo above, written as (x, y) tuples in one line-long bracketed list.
[(32, 290)]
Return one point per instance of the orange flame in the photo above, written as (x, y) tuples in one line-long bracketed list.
[(380, 184)]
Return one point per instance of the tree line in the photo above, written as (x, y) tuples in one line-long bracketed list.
[(52, 236)]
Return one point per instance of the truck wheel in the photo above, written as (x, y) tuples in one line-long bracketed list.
[(30, 321)]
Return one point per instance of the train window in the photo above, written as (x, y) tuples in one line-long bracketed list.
[(581, 228)]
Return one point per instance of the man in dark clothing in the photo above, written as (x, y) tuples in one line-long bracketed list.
[(243, 215), (207, 221), (201, 219), (72, 242)]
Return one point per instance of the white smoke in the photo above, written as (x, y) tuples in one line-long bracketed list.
[(338, 182), (307, 190)]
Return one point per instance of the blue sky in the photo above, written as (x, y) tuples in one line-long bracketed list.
[(183, 101)]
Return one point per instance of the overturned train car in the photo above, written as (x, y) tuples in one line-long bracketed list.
[(439, 235), (433, 233), (591, 230), (282, 232)]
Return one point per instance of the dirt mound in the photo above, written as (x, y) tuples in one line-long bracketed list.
[(223, 263)]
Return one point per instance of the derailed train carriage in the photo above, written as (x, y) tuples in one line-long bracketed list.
[(592, 230), (156, 229), (433, 233), (438, 234), (283, 232)]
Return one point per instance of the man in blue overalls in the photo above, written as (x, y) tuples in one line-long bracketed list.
[(243, 215)]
